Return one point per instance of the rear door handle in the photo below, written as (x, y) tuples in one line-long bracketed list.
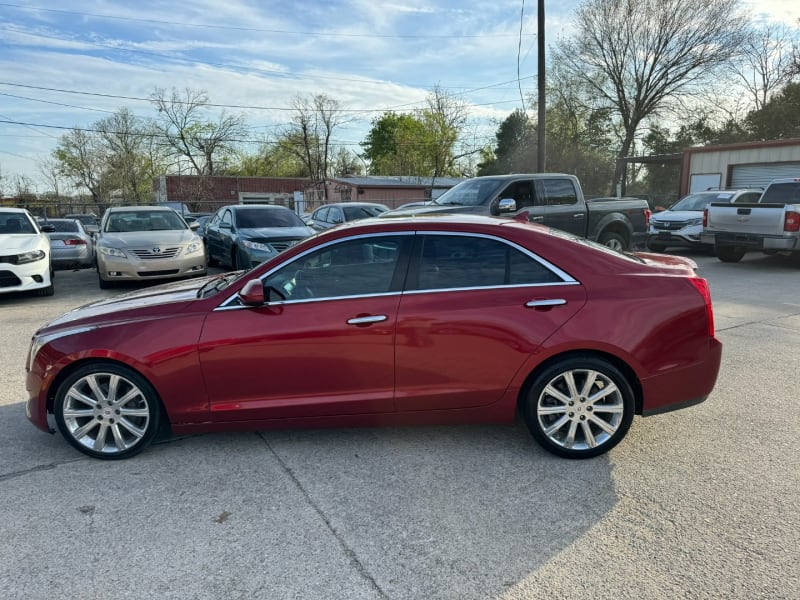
[(366, 320), (545, 303), (578, 215), (540, 218)]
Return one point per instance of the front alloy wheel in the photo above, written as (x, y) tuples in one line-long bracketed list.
[(579, 408), (107, 411)]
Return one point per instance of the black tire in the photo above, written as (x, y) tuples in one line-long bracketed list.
[(235, 262), (46, 291), (212, 262), (730, 254), (88, 427), (655, 247), (596, 425), (104, 285), (614, 241)]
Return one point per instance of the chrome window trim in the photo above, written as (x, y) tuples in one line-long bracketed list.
[(232, 297), (566, 279)]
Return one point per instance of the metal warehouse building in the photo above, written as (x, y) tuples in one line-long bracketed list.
[(744, 165)]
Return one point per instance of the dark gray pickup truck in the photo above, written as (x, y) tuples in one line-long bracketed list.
[(551, 199)]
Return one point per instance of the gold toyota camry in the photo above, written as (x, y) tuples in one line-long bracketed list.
[(147, 242)]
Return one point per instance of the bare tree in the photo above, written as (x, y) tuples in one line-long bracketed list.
[(637, 55), (50, 169), (186, 134), (444, 117), (82, 160), (767, 61), (123, 136)]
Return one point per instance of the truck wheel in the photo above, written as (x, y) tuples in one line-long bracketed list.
[(613, 241), (729, 254)]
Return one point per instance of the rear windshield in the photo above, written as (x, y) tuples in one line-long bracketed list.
[(64, 226), (782, 193), (354, 213), (698, 202)]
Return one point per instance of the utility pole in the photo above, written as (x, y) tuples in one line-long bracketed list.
[(540, 152)]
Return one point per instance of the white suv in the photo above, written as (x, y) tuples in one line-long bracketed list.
[(25, 262), (682, 223)]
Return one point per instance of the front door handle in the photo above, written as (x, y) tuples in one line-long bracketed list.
[(540, 218), (545, 303), (366, 320)]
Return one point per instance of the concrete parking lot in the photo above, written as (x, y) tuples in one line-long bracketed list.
[(699, 503)]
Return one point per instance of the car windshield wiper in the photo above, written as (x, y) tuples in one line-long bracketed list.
[(450, 203), (220, 282)]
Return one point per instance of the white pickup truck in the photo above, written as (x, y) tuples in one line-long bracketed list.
[(772, 225)]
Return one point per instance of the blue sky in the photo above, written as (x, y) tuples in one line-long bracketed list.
[(369, 55)]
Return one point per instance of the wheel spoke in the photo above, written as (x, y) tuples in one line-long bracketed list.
[(100, 440), (556, 426), (113, 384), (591, 377), (588, 435), (569, 377), (606, 391), (76, 413), (130, 395), (552, 410), (118, 439), (132, 428), (134, 412), (603, 425), (74, 394), (93, 384), (81, 432), (551, 391), (570, 440), (609, 408)]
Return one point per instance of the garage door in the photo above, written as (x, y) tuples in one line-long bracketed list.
[(748, 176)]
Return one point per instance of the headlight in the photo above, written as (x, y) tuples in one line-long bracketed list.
[(194, 246), (698, 221), (256, 246), (38, 341), (112, 252), (29, 257)]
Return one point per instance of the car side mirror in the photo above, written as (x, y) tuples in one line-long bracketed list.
[(506, 205), (194, 225), (252, 294)]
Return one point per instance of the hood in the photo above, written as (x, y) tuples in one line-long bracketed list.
[(136, 304), (432, 209), (17, 243), (677, 215), (133, 239), (276, 233)]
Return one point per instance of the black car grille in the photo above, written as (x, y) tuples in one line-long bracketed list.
[(278, 245), (9, 279), (669, 225), (156, 252), (158, 273)]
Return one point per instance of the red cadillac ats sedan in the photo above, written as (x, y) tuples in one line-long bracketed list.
[(424, 320)]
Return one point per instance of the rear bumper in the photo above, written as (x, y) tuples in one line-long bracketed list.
[(751, 241), (683, 387)]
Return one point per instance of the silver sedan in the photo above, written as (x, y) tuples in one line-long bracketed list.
[(71, 246)]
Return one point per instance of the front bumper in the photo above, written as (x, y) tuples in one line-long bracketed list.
[(688, 236), (114, 268), (23, 278)]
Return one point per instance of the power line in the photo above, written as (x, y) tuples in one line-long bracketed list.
[(256, 29)]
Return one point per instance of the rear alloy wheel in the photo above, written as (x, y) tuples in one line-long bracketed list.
[(107, 411), (613, 241), (579, 408), (729, 254)]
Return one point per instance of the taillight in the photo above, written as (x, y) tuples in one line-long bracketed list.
[(647, 214), (75, 242), (705, 218), (792, 221), (701, 285)]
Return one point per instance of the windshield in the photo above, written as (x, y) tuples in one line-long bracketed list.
[(252, 218), (15, 223), (144, 220), (354, 213), (699, 202), (472, 192)]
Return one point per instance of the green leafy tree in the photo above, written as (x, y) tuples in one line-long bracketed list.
[(398, 144), (779, 118)]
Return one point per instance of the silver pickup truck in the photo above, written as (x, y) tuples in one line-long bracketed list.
[(772, 225)]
